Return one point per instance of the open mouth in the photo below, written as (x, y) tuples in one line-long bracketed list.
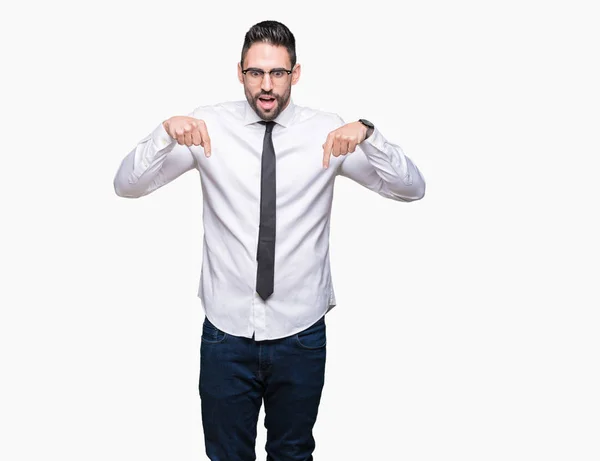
[(266, 102)]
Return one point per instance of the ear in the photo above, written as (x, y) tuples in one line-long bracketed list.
[(240, 75), (296, 74)]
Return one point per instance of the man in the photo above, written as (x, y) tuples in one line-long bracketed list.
[(267, 168)]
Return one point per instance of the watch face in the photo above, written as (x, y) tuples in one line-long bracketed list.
[(367, 123)]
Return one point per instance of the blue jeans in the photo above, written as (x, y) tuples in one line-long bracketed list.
[(237, 374)]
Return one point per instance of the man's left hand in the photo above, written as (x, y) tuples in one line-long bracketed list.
[(343, 140)]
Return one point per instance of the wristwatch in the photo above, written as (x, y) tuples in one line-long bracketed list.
[(369, 125)]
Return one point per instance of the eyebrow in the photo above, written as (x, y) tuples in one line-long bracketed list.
[(258, 68)]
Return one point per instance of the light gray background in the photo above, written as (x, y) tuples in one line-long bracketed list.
[(467, 323)]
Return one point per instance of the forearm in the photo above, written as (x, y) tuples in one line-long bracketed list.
[(383, 168), (156, 160), (401, 179)]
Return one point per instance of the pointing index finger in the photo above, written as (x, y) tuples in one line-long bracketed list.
[(205, 138)]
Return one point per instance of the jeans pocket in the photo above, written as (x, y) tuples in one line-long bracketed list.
[(211, 334), (314, 337)]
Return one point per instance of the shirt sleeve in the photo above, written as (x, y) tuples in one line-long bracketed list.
[(156, 160), (382, 167)]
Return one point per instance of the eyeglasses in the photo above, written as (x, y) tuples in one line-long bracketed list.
[(256, 76)]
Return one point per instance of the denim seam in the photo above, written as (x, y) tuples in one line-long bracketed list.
[(214, 342), (297, 337), (308, 347), (213, 327)]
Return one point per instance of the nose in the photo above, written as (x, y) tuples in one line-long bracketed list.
[(266, 84)]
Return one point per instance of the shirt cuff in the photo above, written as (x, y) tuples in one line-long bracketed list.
[(376, 140), (161, 138), (382, 153), (144, 157)]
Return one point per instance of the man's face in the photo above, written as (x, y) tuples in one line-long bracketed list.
[(269, 95)]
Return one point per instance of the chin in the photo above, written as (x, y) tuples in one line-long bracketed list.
[(267, 115)]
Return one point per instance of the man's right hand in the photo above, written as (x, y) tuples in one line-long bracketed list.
[(188, 131)]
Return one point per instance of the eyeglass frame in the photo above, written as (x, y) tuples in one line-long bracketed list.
[(277, 69)]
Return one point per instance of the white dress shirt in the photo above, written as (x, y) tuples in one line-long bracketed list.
[(231, 183)]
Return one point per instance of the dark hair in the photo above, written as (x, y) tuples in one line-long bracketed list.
[(272, 32)]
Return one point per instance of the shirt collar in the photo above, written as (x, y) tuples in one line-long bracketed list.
[(284, 118)]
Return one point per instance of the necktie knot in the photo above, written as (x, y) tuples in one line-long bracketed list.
[(269, 125)]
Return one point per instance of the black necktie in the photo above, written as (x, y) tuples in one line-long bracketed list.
[(265, 254)]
